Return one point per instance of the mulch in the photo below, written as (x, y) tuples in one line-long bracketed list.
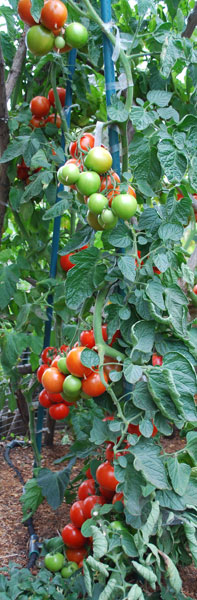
[(48, 523)]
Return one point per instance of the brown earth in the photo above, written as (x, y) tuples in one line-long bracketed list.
[(47, 522)]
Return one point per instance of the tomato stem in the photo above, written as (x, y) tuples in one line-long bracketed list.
[(57, 100)]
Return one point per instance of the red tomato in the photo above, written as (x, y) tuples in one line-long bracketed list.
[(109, 182), (48, 354), (65, 261), (86, 142), (74, 364), (76, 555), (73, 537), (109, 453), (22, 170), (108, 494), (53, 14), (87, 337), (77, 515), (73, 150), (58, 411), (40, 372), (52, 380), (111, 364), (89, 474), (134, 429), (55, 361), (155, 430), (179, 196), (195, 289), (35, 122), (89, 503), (118, 497), (61, 93), (131, 191), (24, 11), (64, 348), (116, 335), (157, 360), (109, 418), (87, 488), (56, 119), (40, 106), (76, 162), (93, 385), (156, 270), (105, 476), (56, 398), (44, 399)]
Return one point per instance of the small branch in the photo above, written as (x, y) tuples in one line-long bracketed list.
[(16, 67), (191, 23), (4, 139)]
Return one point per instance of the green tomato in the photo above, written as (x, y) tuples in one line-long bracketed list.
[(118, 526), (62, 365), (54, 562), (92, 220), (98, 159), (88, 183), (59, 42), (76, 35), (124, 206), (39, 40), (97, 202), (72, 386), (69, 570), (68, 174), (107, 219)]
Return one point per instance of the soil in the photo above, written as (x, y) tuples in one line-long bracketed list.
[(47, 522)]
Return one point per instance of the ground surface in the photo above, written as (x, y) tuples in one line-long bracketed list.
[(47, 523)]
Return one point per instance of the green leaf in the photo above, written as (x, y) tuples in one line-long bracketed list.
[(126, 265), (8, 14), (160, 261), (97, 566), (183, 372), (100, 544), (79, 281), (36, 9), (39, 160), (87, 578), (142, 398), (141, 118), (172, 573), (146, 428), (149, 461), (149, 219), (154, 291), (145, 572), (168, 113), (159, 97), (132, 373), (100, 432), (134, 500), (143, 335), (37, 186), (22, 316), (89, 358), (160, 391), (31, 498), (174, 163), (176, 304), (170, 231), (15, 148), (192, 444), (190, 532), (193, 172), (109, 589), (54, 484), (57, 210), (148, 528), (117, 111), (120, 236), (128, 544), (9, 276), (135, 593), (171, 500), (179, 475), (79, 239)]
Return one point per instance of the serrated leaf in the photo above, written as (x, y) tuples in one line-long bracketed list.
[(141, 118), (132, 373), (9, 276), (179, 475), (36, 7), (170, 231), (128, 544), (87, 578), (117, 111), (39, 160), (57, 210), (79, 281), (54, 484), (183, 372), (154, 291), (191, 446), (126, 264), (79, 239), (149, 220), (149, 461), (15, 148), (168, 113), (159, 97), (146, 428), (109, 588), (8, 14), (143, 335), (89, 358), (173, 162), (160, 261), (120, 236)]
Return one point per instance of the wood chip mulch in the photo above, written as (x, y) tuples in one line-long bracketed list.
[(48, 523)]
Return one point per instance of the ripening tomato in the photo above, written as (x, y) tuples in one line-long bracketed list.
[(156, 271), (22, 170), (55, 361), (116, 335), (61, 93), (195, 289), (131, 191), (89, 503), (75, 161), (52, 380), (64, 348), (179, 196), (109, 182), (86, 142), (105, 476), (40, 106), (98, 159), (111, 364), (157, 360), (87, 488), (74, 364), (124, 206), (54, 119), (48, 354), (56, 398), (24, 11), (35, 122), (39, 40), (65, 261), (77, 515), (73, 149), (73, 537), (58, 411), (44, 399), (87, 337), (93, 386), (40, 372), (61, 365), (109, 453), (107, 494), (76, 35), (76, 555), (89, 474), (53, 14), (118, 497), (92, 220)]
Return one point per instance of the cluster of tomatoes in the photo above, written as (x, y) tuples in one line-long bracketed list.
[(40, 107), (89, 172), (52, 31)]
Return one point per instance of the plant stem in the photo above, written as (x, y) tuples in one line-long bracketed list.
[(124, 144), (31, 410), (57, 100), (72, 222)]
